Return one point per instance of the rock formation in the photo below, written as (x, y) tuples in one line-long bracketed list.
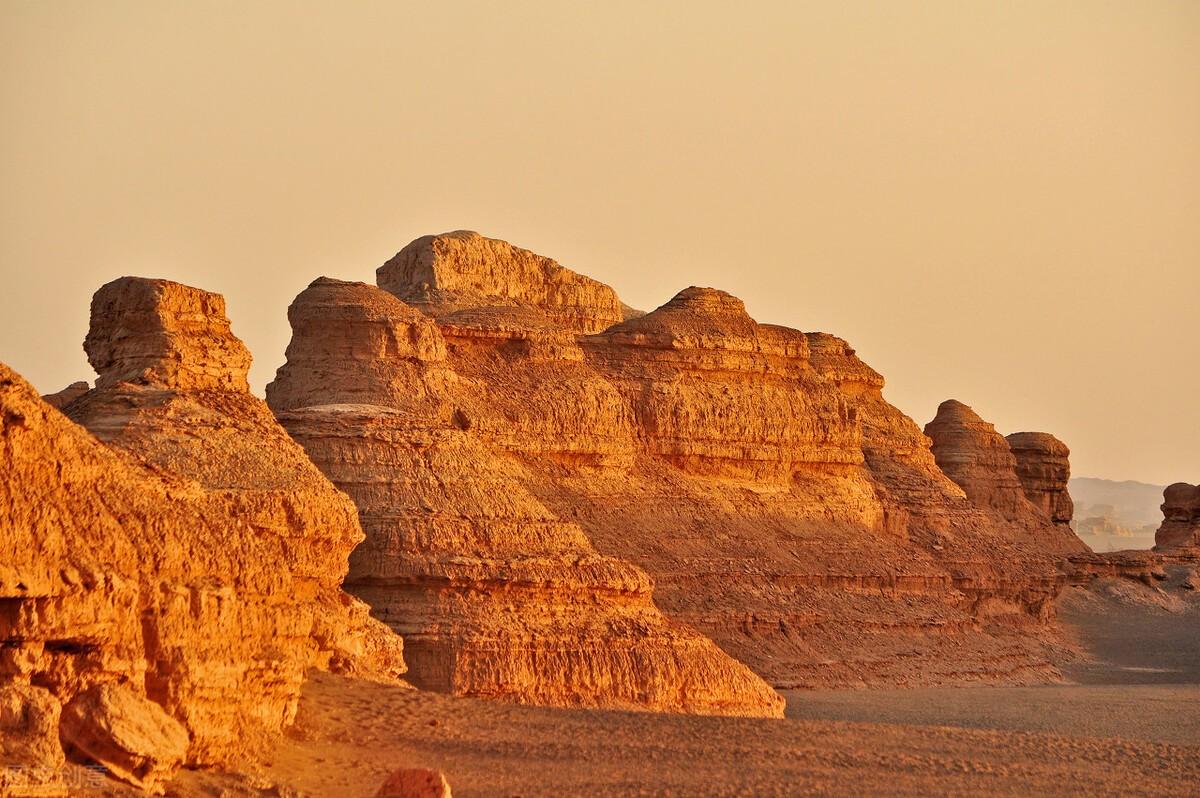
[(979, 459), (1044, 468), (495, 594), (195, 554), (67, 395), (464, 270), (782, 507), (1179, 533)]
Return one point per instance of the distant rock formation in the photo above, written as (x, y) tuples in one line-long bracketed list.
[(495, 594), (780, 504), (1180, 529), (197, 557), (67, 395), (1044, 468)]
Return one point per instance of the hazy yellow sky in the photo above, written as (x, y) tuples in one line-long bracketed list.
[(997, 202)]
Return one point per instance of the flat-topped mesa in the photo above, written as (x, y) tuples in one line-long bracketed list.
[(187, 416), (715, 393), (451, 271), (353, 343), (1044, 468), (1180, 529), (972, 453), (158, 332)]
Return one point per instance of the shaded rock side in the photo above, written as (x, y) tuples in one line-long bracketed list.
[(1044, 469), (198, 554), (465, 269), (495, 594), (1179, 533)]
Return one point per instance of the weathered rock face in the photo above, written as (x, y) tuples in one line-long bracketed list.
[(1180, 529), (31, 756), (979, 459), (197, 555), (157, 331), (1044, 469), (780, 504), (463, 269), (495, 594)]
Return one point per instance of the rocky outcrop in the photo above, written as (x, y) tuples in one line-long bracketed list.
[(781, 506), (463, 269), (979, 459), (1044, 469), (133, 738), (160, 332), (495, 594), (67, 395), (195, 554), (1179, 534)]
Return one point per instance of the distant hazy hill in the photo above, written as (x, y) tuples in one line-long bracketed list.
[(1113, 515)]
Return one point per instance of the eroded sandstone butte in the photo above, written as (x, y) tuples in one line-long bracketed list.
[(1044, 468), (505, 411), (496, 594), (184, 546), (1179, 533)]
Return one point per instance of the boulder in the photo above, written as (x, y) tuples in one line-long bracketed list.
[(415, 783), (132, 737)]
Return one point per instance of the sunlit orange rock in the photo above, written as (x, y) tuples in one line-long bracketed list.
[(186, 545), (496, 594), (782, 507)]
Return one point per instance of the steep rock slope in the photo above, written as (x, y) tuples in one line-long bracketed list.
[(198, 555), (780, 504), (495, 594)]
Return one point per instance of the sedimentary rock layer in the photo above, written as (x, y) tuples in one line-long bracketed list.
[(464, 269), (780, 504), (1044, 468), (495, 594), (197, 556)]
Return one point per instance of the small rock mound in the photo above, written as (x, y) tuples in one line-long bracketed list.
[(415, 783)]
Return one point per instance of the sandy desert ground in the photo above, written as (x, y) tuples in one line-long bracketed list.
[(1129, 724)]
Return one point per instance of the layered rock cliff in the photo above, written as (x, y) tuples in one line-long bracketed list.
[(780, 504), (495, 594), (185, 546)]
